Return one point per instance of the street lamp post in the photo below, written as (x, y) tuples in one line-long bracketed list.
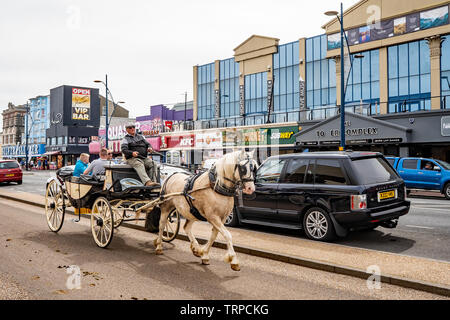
[(26, 137), (108, 92), (341, 21)]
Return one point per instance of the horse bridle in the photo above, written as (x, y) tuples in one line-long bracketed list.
[(242, 170)]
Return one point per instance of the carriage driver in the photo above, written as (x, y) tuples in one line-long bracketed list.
[(135, 149)]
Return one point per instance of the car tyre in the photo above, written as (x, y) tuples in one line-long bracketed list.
[(232, 220), (318, 226), (447, 191)]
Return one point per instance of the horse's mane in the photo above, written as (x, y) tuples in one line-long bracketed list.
[(225, 166)]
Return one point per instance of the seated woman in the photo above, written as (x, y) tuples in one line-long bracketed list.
[(81, 165)]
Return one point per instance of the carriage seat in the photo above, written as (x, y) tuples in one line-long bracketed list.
[(98, 180)]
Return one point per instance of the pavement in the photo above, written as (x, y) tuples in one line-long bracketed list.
[(412, 272)]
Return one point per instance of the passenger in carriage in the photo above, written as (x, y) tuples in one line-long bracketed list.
[(97, 167), (81, 165), (136, 148)]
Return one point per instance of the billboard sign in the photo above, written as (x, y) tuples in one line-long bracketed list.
[(81, 104)]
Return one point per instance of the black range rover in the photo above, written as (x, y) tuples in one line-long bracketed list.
[(326, 194)]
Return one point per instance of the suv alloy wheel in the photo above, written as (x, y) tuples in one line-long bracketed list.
[(318, 225), (233, 219)]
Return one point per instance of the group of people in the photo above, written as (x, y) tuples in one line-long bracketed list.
[(135, 149)]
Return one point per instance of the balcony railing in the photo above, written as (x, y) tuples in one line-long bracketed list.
[(315, 114)]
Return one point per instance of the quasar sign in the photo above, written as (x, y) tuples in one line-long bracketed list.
[(81, 104)]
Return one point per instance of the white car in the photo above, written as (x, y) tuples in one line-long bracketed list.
[(166, 170), (208, 164)]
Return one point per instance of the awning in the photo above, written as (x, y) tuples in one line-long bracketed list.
[(51, 153)]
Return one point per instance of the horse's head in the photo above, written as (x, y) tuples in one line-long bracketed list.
[(246, 167)]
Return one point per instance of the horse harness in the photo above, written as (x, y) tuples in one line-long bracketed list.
[(214, 184)]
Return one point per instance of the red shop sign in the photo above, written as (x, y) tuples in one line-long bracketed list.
[(173, 142)]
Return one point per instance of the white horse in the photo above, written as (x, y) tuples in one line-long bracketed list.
[(214, 200)]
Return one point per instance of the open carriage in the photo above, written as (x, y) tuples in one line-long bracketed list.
[(110, 200)]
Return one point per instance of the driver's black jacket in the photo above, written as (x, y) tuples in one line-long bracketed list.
[(135, 143)]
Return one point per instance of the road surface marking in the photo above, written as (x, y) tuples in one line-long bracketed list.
[(419, 227)]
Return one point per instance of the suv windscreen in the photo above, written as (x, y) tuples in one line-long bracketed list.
[(444, 164), (8, 165), (373, 170)]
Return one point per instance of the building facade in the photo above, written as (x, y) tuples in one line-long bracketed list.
[(38, 120), (74, 120), (400, 74), (13, 124)]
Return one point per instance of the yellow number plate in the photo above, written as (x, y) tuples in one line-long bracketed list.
[(10, 175), (387, 195)]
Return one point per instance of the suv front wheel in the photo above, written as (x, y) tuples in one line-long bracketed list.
[(318, 226), (232, 219)]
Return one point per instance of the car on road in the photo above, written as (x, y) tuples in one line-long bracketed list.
[(10, 171), (326, 194), (422, 173)]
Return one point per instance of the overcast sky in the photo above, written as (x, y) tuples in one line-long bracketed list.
[(147, 48)]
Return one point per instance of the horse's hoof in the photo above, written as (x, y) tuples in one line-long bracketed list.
[(155, 242), (235, 267), (198, 255), (205, 262), (159, 252)]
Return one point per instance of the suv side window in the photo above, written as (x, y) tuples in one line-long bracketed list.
[(410, 164), (270, 171), (329, 172), (296, 170)]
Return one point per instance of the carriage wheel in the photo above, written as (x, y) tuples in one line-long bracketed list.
[(172, 226), (55, 208), (118, 214), (102, 222)]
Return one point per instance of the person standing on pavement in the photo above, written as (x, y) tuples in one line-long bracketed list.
[(136, 148)]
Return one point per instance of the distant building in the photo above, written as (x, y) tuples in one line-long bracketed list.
[(38, 120), (13, 124), (119, 111)]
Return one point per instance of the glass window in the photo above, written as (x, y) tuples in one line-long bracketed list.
[(329, 172), (270, 171), (296, 170), (409, 164), (373, 170)]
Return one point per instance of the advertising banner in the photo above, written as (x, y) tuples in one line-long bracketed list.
[(445, 126), (173, 142), (364, 34), (334, 41), (353, 37), (81, 104), (254, 137), (382, 30), (413, 22), (34, 150), (209, 140), (400, 26), (282, 135), (232, 137), (434, 18)]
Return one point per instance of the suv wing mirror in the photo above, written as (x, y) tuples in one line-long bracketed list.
[(437, 168)]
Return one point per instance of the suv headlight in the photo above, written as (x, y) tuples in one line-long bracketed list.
[(358, 202)]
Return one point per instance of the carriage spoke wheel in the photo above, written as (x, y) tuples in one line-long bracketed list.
[(118, 214), (54, 206), (172, 226), (102, 222)]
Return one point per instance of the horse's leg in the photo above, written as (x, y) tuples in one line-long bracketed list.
[(195, 247), (207, 247), (231, 255), (162, 224)]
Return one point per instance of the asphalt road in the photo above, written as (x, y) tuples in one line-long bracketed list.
[(424, 232), (35, 264)]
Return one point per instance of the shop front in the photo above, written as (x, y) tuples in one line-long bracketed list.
[(36, 154), (425, 134), (194, 148)]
